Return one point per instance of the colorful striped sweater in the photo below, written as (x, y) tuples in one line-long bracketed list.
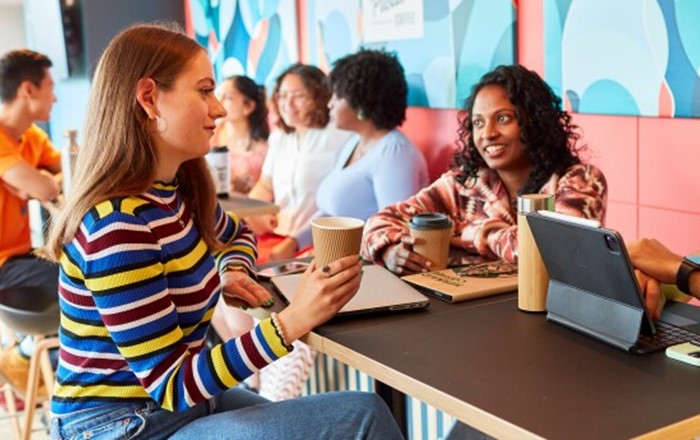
[(483, 218), (137, 292)]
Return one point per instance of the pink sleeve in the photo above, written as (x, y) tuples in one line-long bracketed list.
[(391, 223), (580, 192)]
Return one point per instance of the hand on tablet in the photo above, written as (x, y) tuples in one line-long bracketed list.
[(651, 290)]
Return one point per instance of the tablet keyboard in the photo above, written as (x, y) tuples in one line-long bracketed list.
[(666, 335)]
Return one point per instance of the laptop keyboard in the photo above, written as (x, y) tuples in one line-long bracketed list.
[(666, 335)]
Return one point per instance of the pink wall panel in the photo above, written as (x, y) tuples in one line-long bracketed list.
[(669, 164), (530, 34), (679, 231), (434, 132), (612, 146), (622, 217)]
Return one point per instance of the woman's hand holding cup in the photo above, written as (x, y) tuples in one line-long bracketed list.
[(401, 259), (322, 293)]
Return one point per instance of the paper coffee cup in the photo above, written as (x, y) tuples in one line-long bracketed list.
[(433, 232), (335, 237)]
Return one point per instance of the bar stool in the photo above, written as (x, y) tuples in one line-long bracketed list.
[(32, 311)]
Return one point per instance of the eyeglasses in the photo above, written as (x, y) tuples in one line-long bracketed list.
[(291, 96)]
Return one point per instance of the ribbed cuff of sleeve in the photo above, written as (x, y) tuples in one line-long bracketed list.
[(273, 338)]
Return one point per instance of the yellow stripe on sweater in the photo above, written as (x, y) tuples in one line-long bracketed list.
[(268, 330), (129, 205), (152, 345), (101, 391), (169, 392), (105, 208), (82, 329), (121, 279), (69, 268), (187, 261), (222, 372)]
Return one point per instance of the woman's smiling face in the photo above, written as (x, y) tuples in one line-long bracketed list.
[(496, 130)]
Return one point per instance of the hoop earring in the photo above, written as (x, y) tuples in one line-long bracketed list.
[(161, 124), (361, 115)]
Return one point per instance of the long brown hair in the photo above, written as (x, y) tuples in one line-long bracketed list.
[(118, 157)]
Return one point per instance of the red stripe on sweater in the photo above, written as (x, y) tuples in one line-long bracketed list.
[(251, 351), (80, 361), (191, 384), (131, 315), (116, 237), (161, 367)]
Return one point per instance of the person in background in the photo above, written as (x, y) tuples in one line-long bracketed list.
[(514, 139), (303, 150), (145, 251), (379, 165), (655, 264), (29, 168), (244, 130)]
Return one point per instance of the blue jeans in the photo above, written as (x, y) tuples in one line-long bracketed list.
[(237, 414)]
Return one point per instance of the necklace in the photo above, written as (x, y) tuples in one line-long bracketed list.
[(176, 213)]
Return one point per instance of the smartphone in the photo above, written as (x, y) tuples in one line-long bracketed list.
[(283, 269), (688, 352)]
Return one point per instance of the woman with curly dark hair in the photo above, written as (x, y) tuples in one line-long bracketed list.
[(379, 165), (514, 139), (302, 151)]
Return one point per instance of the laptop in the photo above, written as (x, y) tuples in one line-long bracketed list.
[(593, 289), (380, 291)]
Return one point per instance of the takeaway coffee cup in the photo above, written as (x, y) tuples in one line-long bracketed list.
[(432, 232), (335, 237)]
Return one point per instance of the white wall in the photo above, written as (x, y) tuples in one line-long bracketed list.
[(13, 35)]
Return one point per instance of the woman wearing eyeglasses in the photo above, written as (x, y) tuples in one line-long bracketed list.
[(302, 151)]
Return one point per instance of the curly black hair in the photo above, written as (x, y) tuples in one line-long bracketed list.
[(373, 82), (545, 129), (316, 84)]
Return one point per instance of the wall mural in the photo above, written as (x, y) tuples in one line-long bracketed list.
[(250, 37), (646, 64), (452, 44)]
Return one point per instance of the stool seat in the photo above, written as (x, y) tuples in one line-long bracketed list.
[(30, 310)]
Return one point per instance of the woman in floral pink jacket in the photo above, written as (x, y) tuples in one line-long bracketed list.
[(514, 139)]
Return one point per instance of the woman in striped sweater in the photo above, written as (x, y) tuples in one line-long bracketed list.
[(145, 252)]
